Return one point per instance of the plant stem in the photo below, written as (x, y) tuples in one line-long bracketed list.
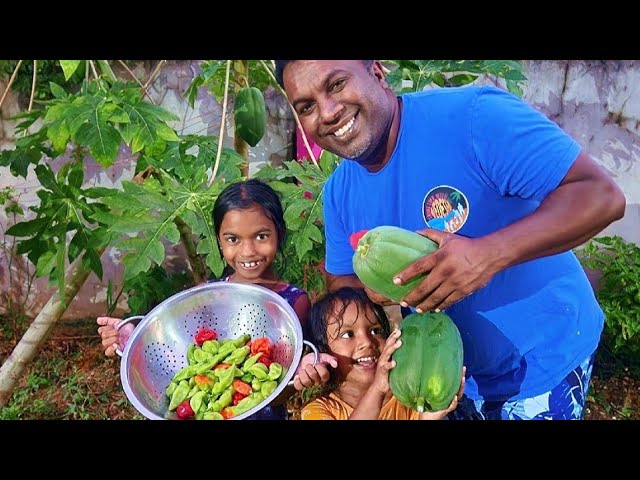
[(224, 116), (195, 260), (93, 69), (13, 77), (33, 87), (240, 81), (153, 76), (133, 75)]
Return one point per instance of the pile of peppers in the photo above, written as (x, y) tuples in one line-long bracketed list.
[(223, 378)]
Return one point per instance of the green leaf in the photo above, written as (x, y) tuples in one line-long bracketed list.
[(118, 115), (27, 229), (103, 141), (167, 133), (47, 178), (45, 264), (99, 192), (58, 133), (57, 91), (462, 79), (69, 67), (93, 260)]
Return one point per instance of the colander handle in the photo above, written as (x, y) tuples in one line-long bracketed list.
[(123, 323), (316, 356)]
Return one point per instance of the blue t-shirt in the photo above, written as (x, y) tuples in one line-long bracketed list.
[(472, 160)]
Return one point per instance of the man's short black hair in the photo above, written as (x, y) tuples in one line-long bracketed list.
[(280, 64)]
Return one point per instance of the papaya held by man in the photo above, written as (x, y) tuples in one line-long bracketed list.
[(506, 194)]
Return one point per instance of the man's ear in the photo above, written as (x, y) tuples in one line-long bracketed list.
[(380, 73)]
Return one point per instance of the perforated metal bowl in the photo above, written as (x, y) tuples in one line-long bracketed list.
[(156, 350)]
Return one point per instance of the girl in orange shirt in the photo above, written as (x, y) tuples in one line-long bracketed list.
[(354, 330)]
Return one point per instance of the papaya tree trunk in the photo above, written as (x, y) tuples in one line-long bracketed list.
[(241, 80), (35, 336), (195, 261)]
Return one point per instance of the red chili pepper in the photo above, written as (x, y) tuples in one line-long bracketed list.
[(242, 387), (202, 380), (221, 366), (261, 345), (184, 411), (227, 412), (205, 334), (237, 397), (265, 360)]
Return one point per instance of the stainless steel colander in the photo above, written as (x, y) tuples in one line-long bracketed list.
[(157, 347)]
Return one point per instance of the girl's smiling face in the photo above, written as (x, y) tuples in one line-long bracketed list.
[(249, 242), (356, 339)]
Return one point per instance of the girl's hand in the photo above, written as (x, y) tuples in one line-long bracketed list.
[(385, 363), (309, 375), (112, 338), (441, 414)]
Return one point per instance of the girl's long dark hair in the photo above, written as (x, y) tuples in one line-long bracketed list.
[(246, 194)]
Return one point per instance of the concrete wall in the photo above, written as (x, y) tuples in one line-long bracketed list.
[(598, 102)]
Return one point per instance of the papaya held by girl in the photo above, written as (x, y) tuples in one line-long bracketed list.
[(250, 231)]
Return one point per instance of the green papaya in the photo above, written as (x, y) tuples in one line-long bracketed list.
[(385, 251), (428, 367), (250, 115)]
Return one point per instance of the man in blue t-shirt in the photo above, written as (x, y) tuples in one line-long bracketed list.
[(504, 192)]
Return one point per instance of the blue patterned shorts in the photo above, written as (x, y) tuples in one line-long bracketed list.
[(564, 402)]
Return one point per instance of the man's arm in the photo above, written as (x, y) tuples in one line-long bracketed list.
[(335, 282), (585, 202)]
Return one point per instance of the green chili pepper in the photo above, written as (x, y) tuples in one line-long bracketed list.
[(256, 385), (241, 340), (237, 356), (171, 388), (187, 372), (197, 402), (251, 361), (259, 370), (190, 350), (211, 346), (212, 416), (267, 388), (222, 402), (225, 380), (200, 356), (275, 370), (179, 395), (247, 403)]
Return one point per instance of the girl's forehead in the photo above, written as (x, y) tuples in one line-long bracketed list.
[(254, 212), (351, 314)]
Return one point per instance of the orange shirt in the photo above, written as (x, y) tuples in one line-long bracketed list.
[(333, 408)]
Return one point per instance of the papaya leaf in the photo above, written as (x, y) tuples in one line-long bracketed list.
[(57, 91), (69, 67), (102, 138), (28, 228)]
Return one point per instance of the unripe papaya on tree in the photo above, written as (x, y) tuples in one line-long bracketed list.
[(250, 115)]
